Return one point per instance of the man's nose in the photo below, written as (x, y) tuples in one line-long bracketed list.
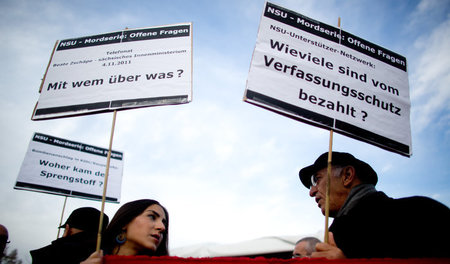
[(312, 191)]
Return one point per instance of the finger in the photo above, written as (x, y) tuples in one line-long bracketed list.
[(96, 254), (322, 247)]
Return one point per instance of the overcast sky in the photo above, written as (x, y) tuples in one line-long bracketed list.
[(226, 170)]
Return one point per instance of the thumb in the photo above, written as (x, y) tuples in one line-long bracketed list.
[(97, 254), (331, 239)]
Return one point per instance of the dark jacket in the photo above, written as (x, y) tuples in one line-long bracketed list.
[(67, 250), (382, 227)]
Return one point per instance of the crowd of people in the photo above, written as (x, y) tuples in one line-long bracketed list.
[(367, 223)]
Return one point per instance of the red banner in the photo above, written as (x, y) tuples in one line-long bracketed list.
[(260, 260)]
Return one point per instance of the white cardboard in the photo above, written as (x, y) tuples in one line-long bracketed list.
[(294, 59), (118, 70), (63, 167)]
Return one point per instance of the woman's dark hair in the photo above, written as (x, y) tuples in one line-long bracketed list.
[(125, 215)]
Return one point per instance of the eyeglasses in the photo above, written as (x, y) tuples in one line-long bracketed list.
[(314, 180)]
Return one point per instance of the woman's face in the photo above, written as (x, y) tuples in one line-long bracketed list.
[(145, 232)]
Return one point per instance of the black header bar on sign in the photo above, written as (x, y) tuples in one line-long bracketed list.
[(302, 22), (125, 36), (117, 104), (38, 137), (334, 34), (57, 191), (374, 51)]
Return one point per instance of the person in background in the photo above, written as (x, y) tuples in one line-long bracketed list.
[(139, 227), (369, 224), (3, 240), (78, 241), (305, 247)]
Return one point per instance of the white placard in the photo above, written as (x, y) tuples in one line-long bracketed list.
[(118, 70), (329, 78), (63, 167)]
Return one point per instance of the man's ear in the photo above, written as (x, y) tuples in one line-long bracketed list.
[(66, 231), (348, 176)]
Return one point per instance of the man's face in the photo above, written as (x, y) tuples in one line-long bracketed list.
[(70, 231), (337, 192)]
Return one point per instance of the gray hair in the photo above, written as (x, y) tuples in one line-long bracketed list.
[(311, 243)]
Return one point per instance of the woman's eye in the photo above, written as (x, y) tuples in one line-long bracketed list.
[(153, 217)]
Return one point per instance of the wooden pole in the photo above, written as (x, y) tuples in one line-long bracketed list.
[(327, 197), (108, 159), (48, 66), (62, 215), (105, 184), (330, 158)]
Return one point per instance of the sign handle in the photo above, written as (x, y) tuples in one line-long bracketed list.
[(108, 159), (48, 66), (327, 197), (330, 150), (62, 215)]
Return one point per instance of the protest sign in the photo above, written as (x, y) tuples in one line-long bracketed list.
[(324, 76), (118, 70), (63, 167)]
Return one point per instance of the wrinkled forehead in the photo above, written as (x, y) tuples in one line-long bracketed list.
[(324, 171)]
